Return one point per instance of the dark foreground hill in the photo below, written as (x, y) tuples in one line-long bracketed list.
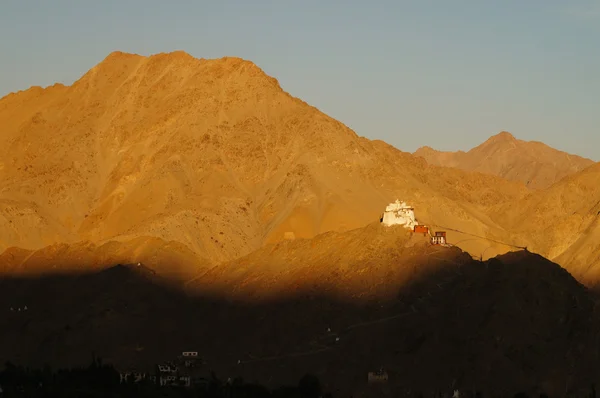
[(514, 323)]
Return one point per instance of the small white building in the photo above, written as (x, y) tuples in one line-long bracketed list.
[(399, 213), (167, 374), (167, 367), (174, 379), (167, 379), (133, 376), (185, 380), (190, 359)]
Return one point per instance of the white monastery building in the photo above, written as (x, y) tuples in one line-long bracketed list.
[(399, 213)]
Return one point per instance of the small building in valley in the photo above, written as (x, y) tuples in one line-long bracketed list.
[(190, 359), (378, 376), (184, 371), (135, 376), (167, 374)]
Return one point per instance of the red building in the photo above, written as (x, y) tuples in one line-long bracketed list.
[(421, 229)]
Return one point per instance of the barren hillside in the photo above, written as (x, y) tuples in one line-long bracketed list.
[(172, 260), (212, 155), (199, 168), (562, 223), (411, 307), (533, 163), (349, 265)]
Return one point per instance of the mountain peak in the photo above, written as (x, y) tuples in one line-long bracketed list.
[(535, 164), (171, 68), (118, 57), (425, 149), (176, 56), (503, 136), (121, 55)]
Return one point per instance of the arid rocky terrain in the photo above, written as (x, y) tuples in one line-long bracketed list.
[(212, 154), (212, 160), (432, 317), (562, 223), (533, 163), (254, 215)]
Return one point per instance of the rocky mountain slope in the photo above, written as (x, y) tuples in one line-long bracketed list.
[(403, 306), (562, 223), (533, 163), (199, 168), (559, 219), (185, 163), (171, 260), (212, 155)]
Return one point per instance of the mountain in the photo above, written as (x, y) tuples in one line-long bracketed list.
[(172, 260), (533, 163), (455, 319), (266, 211), (562, 223), (185, 163), (212, 155)]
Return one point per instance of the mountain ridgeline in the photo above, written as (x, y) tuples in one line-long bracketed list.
[(185, 163), (533, 163), (233, 206), (212, 155)]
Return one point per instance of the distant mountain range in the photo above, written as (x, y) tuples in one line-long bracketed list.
[(535, 164), (247, 223), (185, 163)]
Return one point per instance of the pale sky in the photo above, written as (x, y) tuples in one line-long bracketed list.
[(442, 73)]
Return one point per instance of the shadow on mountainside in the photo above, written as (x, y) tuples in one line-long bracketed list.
[(515, 323)]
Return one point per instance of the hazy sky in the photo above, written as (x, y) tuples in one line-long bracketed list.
[(443, 73)]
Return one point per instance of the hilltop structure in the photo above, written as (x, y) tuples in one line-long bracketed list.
[(399, 213)]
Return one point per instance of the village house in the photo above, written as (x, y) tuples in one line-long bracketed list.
[(190, 359), (135, 376), (184, 371), (166, 378), (167, 374), (379, 376)]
